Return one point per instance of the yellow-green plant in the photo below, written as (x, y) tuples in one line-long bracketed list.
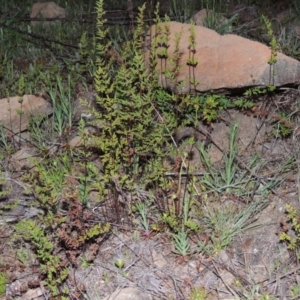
[(51, 264), (23, 255), (181, 243), (63, 199), (62, 202), (274, 51), (282, 127), (47, 181), (6, 147), (87, 181), (224, 223), (130, 136), (3, 282), (5, 188), (295, 290), (198, 293), (293, 216), (243, 104), (212, 106), (192, 60), (86, 56)]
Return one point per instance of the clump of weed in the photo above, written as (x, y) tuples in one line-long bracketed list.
[(291, 225), (68, 231), (3, 282)]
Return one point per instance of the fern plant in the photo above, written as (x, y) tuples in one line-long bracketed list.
[(130, 135), (51, 264), (292, 240), (274, 50), (3, 282)]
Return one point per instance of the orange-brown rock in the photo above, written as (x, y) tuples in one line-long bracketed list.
[(16, 111), (47, 10), (224, 62)]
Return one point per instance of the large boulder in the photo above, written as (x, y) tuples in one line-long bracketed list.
[(17, 111), (47, 10), (224, 62)]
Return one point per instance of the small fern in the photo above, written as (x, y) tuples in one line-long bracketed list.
[(293, 216)]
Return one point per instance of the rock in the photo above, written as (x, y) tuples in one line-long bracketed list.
[(47, 10), (33, 294), (224, 62), (31, 106)]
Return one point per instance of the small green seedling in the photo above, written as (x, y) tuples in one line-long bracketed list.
[(119, 262)]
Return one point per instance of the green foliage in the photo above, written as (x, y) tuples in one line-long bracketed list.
[(273, 43), (141, 209), (269, 88), (51, 264), (3, 282), (227, 181), (5, 189), (198, 294), (119, 263), (274, 50), (293, 216), (50, 234), (129, 135), (257, 91), (23, 255), (38, 134), (85, 263), (171, 220), (137, 118), (206, 108), (48, 180), (88, 178), (65, 49), (6, 147), (21, 86), (181, 243), (39, 75), (282, 127), (86, 63), (62, 200), (212, 106), (224, 223), (94, 231), (192, 60), (295, 290), (243, 104), (61, 98), (255, 293), (39, 78)]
